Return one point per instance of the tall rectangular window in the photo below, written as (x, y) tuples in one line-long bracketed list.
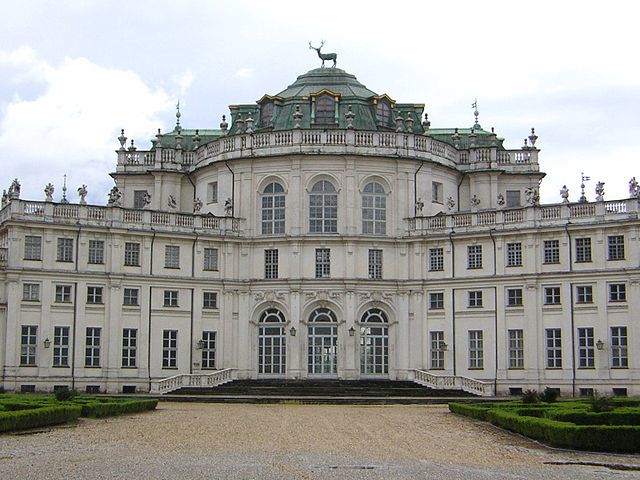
[(436, 300), (31, 292), (170, 298), (131, 296), (271, 263), (28, 344), (617, 292), (516, 348), (171, 256), (208, 349), (616, 247), (132, 254), (475, 298), (436, 259), (619, 353), (210, 259), (209, 300), (584, 294), (514, 254), (323, 263), (437, 350), (65, 250), (437, 192), (61, 346), (583, 249), (586, 352), (476, 349), (169, 348), (513, 198), (554, 347), (212, 192), (94, 295), (474, 256), (375, 264), (63, 293), (92, 347), (552, 295), (514, 297), (96, 252), (551, 250), (140, 198), (129, 347), (32, 247)]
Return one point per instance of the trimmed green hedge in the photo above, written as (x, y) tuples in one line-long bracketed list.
[(107, 409), (38, 417)]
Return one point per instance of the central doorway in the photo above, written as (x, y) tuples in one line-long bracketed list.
[(323, 343)]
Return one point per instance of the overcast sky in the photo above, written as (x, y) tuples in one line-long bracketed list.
[(72, 73)]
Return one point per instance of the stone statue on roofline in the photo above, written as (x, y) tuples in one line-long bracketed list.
[(564, 193), (115, 198), (82, 192), (599, 191), (634, 190), (532, 196), (48, 192), (14, 189), (5, 198)]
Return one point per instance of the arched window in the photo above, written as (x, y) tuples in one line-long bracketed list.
[(266, 114), (374, 209), (325, 110), (323, 342), (383, 113), (323, 208), (374, 343), (272, 343), (273, 202)]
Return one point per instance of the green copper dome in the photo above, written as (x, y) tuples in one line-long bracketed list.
[(333, 79)]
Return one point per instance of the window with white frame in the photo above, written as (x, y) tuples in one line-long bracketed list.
[(551, 249), (32, 247), (438, 348), (374, 209), (586, 351), (619, 345), (513, 199), (92, 347), (96, 252), (31, 292), (171, 256), (476, 349), (516, 348), (28, 345), (209, 300), (323, 208), (615, 245), (208, 350), (383, 113), (273, 209), (129, 347), (131, 296), (132, 254), (583, 249), (271, 263), (437, 192), (323, 262), (325, 110), (60, 346), (94, 295), (554, 347), (169, 349), (514, 254), (212, 192), (375, 264), (436, 300), (170, 298), (63, 293), (552, 295), (210, 259), (617, 292), (65, 250), (514, 297), (475, 298), (584, 294), (474, 256), (436, 259)]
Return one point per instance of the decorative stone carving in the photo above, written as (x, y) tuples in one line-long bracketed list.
[(115, 198), (197, 205), (634, 190), (564, 193), (419, 206), (600, 192), (451, 203), (14, 190), (500, 200), (531, 196), (297, 117), (82, 192), (475, 201), (171, 202), (5, 198), (48, 192), (146, 198), (228, 207), (349, 116)]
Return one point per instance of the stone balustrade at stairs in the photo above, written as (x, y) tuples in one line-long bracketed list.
[(454, 382)]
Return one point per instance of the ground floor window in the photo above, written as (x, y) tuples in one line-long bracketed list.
[(374, 343), (437, 350), (323, 342), (129, 347), (92, 347), (208, 349), (619, 354), (272, 343), (169, 349), (516, 348), (61, 346), (476, 349), (28, 345)]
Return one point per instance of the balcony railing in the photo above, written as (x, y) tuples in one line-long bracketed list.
[(453, 382), (198, 380), (540, 215), (93, 215)]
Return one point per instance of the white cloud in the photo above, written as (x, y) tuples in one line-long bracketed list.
[(72, 125), (244, 72), (184, 81)]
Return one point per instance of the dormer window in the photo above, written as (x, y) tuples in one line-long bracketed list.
[(266, 114), (383, 113), (325, 110)]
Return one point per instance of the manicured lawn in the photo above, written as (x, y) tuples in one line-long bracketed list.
[(568, 424), (23, 411)]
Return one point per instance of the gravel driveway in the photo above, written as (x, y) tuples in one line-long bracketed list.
[(207, 440)]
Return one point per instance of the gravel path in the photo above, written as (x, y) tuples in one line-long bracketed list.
[(187, 440)]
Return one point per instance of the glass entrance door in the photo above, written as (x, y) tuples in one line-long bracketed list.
[(322, 343)]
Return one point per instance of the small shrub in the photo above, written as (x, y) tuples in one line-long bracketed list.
[(549, 395), (530, 396), (600, 403), (64, 394)]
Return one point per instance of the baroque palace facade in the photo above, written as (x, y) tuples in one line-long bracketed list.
[(327, 232)]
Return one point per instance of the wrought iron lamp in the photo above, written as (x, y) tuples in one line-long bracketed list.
[(600, 345), (47, 343), (352, 332)]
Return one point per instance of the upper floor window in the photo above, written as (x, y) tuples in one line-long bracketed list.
[(273, 202), (212, 192), (437, 192), (514, 254), (583, 249), (132, 254), (65, 250), (140, 198), (96, 252), (383, 113), (551, 251), (323, 262), (436, 259), (474, 256), (374, 209), (325, 110), (616, 247), (323, 208), (375, 264), (32, 247), (210, 260), (31, 292), (513, 198), (271, 263), (266, 114), (171, 256)]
